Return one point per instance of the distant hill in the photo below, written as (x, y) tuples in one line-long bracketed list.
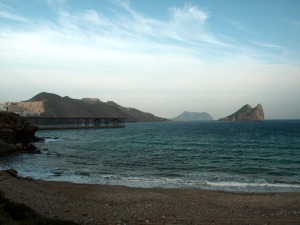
[(135, 113), (193, 116), (57, 106), (247, 113)]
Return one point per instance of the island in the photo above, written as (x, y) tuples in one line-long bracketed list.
[(247, 113), (193, 116)]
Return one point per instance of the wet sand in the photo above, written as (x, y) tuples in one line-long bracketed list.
[(104, 204)]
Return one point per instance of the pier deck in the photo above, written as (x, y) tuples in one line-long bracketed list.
[(75, 123)]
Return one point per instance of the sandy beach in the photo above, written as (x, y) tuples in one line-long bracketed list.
[(104, 204)]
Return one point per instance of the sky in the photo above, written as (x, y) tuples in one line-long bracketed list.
[(162, 57)]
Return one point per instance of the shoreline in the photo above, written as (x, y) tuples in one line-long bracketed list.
[(103, 204), (231, 187)]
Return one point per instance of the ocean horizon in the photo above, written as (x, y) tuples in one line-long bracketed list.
[(229, 156)]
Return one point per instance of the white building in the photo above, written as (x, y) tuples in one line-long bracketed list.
[(3, 107)]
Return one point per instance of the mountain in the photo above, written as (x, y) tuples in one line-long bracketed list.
[(193, 116), (57, 106), (247, 113)]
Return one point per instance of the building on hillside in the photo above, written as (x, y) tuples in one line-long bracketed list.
[(28, 114), (36, 107), (3, 107), (20, 110)]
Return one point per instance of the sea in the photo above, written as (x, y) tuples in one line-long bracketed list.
[(213, 155)]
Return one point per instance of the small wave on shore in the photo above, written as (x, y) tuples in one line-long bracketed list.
[(49, 139), (85, 176)]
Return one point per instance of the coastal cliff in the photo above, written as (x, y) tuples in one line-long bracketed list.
[(247, 113), (15, 134)]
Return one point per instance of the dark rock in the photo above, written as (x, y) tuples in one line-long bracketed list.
[(247, 113), (12, 172), (19, 145), (38, 139), (6, 148), (38, 151), (15, 134), (30, 147)]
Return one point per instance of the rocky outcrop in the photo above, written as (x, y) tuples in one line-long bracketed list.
[(193, 116), (16, 134), (247, 113)]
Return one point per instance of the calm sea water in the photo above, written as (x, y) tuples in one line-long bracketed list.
[(239, 156)]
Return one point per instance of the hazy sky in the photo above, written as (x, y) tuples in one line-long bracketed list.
[(160, 56)]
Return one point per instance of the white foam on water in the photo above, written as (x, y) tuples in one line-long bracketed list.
[(85, 176), (209, 181), (254, 187), (51, 139), (236, 184)]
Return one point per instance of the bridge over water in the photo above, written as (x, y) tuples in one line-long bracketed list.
[(44, 123)]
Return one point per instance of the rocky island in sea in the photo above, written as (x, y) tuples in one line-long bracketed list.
[(247, 113), (193, 116)]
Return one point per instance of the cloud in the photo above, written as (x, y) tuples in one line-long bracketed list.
[(126, 40), (294, 22), (185, 24), (237, 24), (11, 16), (268, 45), (125, 34), (82, 23), (135, 32), (56, 4), (189, 14), (7, 13), (189, 24), (131, 58)]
